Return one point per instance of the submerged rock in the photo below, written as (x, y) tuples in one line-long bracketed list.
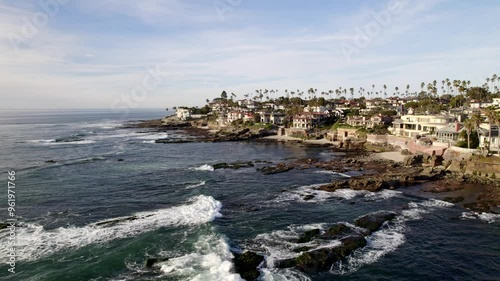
[(322, 259), (336, 231), (308, 197), (236, 165), (309, 235), (373, 222), (279, 168), (246, 265), (152, 261)]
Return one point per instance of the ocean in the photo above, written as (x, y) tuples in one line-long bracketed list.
[(77, 169)]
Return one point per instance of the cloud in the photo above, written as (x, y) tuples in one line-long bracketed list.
[(81, 67)]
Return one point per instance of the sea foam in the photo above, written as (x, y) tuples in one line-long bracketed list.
[(211, 260), (34, 242), (486, 217), (205, 167)]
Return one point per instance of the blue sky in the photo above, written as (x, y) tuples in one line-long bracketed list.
[(101, 53)]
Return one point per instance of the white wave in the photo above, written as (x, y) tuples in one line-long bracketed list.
[(274, 274), (34, 241), (299, 193), (210, 261), (388, 239), (333, 173), (43, 141), (205, 167), (279, 244), (149, 141), (153, 136), (348, 194), (437, 203), (202, 183), (383, 194), (379, 244), (53, 142), (486, 217)]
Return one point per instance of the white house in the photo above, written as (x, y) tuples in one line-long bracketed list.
[(183, 113), (414, 125)]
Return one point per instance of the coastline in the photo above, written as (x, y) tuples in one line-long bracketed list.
[(392, 169)]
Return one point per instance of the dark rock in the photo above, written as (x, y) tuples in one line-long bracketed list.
[(335, 231), (374, 221), (246, 265), (3, 225), (287, 263), (308, 197), (322, 259), (302, 249), (454, 199), (414, 160), (152, 261), (121, 160), (51, 161), (236, 165), (279, 168), (308, 235)]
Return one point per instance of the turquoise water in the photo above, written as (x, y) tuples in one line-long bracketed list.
[(193, 215)]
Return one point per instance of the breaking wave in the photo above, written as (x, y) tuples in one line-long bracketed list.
[(211, 260), (34, 242), (205, 167)]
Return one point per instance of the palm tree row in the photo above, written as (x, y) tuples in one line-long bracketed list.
[(448, 87)]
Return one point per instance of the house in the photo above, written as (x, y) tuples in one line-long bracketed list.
[(419, 125), (484, 133), (480, 104), (450, 133), (361, 121), (234, 115), (309, 120), (183, 113)]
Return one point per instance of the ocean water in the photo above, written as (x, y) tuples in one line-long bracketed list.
[(181, 209)]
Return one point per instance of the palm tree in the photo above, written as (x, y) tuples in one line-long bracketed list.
[(422, 85), (497, 123), (469, 126), (491, 115), (476, 119)]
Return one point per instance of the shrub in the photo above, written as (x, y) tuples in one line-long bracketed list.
[(493, 176)]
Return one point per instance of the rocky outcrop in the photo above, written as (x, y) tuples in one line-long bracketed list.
[(246, 265), (235, 166), (276, 169), (415, 160), (349, 239), (322, 259), (373, 222), (371, 184), (152, 261)]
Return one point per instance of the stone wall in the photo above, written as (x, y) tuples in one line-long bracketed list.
[(406, 143)]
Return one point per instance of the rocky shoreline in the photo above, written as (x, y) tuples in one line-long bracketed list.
[(430, 173), (422, 175)]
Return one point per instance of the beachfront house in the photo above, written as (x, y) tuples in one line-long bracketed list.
[(419, 125)]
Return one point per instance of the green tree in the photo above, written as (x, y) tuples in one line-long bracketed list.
[(469, 126), (491, 115), (223, 95), (476, 119)]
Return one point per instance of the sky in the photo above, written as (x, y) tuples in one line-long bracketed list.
[(165, 53)]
